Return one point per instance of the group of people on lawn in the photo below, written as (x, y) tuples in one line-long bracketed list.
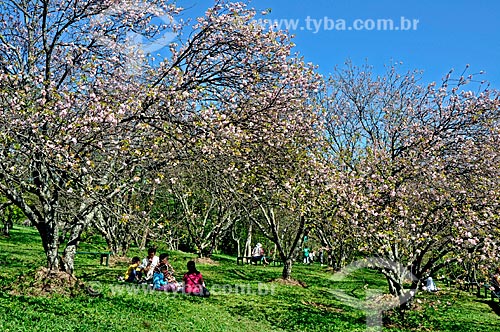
[(156, 270)]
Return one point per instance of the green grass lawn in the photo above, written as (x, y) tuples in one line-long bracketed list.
[(243, 299)]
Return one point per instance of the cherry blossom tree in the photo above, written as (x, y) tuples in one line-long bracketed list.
[(129, 217), (423, 169), (63, 91), (78, 126), (208, 209), (247, 103)]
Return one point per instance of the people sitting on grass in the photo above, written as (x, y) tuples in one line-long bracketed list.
[(133, 273), (193, 281), (163, 276), (258, 254), (149, 263)]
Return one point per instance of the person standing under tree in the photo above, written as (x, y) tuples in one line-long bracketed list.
[(306, 256), (321, 253)]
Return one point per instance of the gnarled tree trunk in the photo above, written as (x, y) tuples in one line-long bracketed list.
[(76, 231), (248, 242), (49, 233), (287, 269)]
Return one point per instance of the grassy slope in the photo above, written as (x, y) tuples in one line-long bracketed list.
[(241, 299)]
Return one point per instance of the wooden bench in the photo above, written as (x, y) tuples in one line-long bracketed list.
[(493, 295), (447, 281), (102, 255), (470, 286), (242, 260)]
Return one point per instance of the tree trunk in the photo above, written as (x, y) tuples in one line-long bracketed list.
[(392, 286), (113, 247), (7, 218), (248, 242), (236, 239), (79, 225), (287, 269), (213, 241), (71, 246), (125, 245), (7, 226), (116, 234), (396, 289), (49, 232), (144, 239), (69, 257)]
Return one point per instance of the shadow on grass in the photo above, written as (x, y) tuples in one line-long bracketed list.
[(239, 275), (301, 316), (224, 258), (495, 306), (23, 236), (93, 275)]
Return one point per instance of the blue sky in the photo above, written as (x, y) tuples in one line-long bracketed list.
[(449, 34)]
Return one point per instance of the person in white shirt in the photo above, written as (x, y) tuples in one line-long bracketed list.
[(149, 263), (258, 254), (430, 285)]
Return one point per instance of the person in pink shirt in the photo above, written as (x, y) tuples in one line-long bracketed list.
[(193, 281)]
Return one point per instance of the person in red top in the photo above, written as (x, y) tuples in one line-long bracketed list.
[(193, 281)]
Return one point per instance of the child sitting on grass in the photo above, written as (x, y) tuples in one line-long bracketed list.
[(133, 273), (163, 278)]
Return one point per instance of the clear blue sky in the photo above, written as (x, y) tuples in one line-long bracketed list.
[(449, 34)]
